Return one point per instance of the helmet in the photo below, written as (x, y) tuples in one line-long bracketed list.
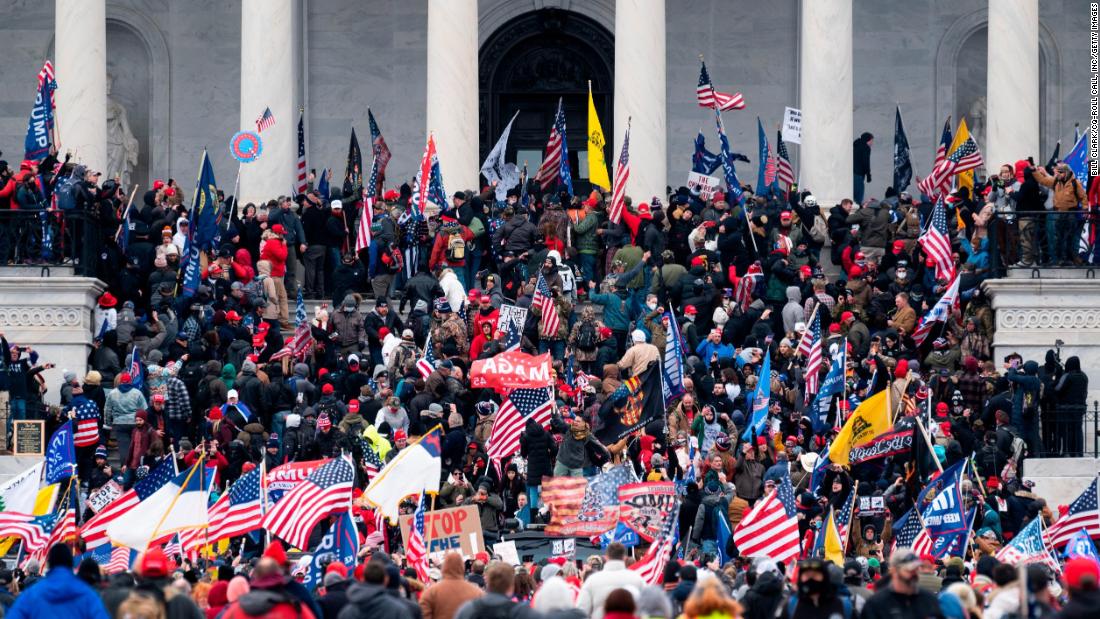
[(810, 201), (722, 442)]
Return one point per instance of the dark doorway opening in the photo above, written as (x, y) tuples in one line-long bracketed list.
[(530, 63)]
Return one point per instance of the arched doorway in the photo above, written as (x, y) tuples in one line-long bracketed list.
[(527, 65)]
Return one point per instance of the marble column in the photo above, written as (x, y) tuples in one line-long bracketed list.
[(452, 112), (80, 62), (267, 81), (1012, 89), (640, 96), (825, 61)]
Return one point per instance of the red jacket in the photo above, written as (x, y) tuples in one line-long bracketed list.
[(439, 249), (218, 459), (141, 439), (274, 251), (242, 267)]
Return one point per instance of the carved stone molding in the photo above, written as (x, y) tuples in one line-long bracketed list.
[(16, 316), (1052, 319)]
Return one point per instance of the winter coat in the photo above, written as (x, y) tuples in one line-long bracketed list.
[(443, 599), (1067, 195), (537, 446), (516, 235), (792, 311), (599, 585), (274, 250), (874, 224), (122, 406), (349, 326), (59, 594), (615, 310)]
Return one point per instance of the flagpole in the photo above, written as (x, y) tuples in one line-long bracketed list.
[(263, 500), (928, 442), (198, 464)]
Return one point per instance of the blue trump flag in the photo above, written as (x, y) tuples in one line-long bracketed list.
[(323, 185), (137, 370), (723, 539), (831, 386), (761, 400), (764, 154), (941, 502), (1077, 159), (36, 146), (672, 368), (61, 454), (1080, 545), (733, 186), (341, 543), (622, 534), (702, 160)]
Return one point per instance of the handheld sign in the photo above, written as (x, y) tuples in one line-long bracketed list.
[(455, 528), (705, 186), (792, 125)]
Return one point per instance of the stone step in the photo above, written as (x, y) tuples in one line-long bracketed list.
[(1060, 480), (37, 270), (1051, 273)]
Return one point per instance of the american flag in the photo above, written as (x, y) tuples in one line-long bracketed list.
[(843, 519), (87, 424), (326, 490), (940, 312), (519, 406), (94, 530), (557, 152), (810, 347), (622, 175), (783, 169), (298, 344), (266, 120), (238, 511), (120, 560), (651, 567), (708, 97), (928, 185), (173, 547), (1029, 546), (47, 75), (371, 462), (910, 533), (366, 216), (771, 528), (382, 155), (1082, 514), (937, 244), (300, 185), (33, 530), (137, 369), (422, 186), (426, 364), (743, 294), (550, 321), (966, 157), (416, 552)]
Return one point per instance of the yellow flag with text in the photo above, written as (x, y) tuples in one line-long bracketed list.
[(597, 165), (870, 419), (964, 179)]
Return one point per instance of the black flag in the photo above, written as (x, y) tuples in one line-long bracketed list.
[(353, 175), (903, 165), (633, 405)]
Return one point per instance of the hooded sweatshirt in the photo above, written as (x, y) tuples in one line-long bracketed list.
[(792, 311), (443, 599)]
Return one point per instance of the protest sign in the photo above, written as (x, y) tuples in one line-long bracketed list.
[(455, 528), (104, 495), (792, 125), (704, 185)]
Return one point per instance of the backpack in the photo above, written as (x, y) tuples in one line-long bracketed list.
[(456, 248), (66, 191), (254, 292), (587, 336), (477, 228), (819, 232)]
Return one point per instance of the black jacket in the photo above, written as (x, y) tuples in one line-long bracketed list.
[(372, 602), (421, 287), (537, 446), (887, 603), (861, 157)]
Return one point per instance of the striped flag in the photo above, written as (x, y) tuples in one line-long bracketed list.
[(708, 97), (556, 161), (366, 214), (1028, 546), (265, 121), (544, 300), (966, 157), (651, 567), (137, 369), (810, 348), (121, 558), (744, 292), (937, 244), (428, 187), (94, 530), (940, 312), (46, 74), (622, 175), (371, 462), (910, 533), (300, 184), (87, 422), (326, 490), (382, 155), (416, 552), (929, 185), (33, 530), (771, 528), (1082, 514), (238, 511), (426, 364), (783, 170), (519, 406)]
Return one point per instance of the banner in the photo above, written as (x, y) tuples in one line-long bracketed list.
[(341, 543), (705, 186), (511, 370), (881, 446), (672, 369), (511, 320), (792, 125), (60, 454), (585, 507), (283, 478), (36, 145), (643, 401), (455, 528), (941, 502), (643, 507)]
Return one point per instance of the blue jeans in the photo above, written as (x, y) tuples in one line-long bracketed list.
[(17, 411), (857, 189), (588, 267), (460, 273), (556, 348), (473, 265)]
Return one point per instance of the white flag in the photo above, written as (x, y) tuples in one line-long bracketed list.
[(506, 175)]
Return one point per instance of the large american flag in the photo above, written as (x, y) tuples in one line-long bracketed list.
[(966, 157), (622, 175), (238, 511), (708, 97), (810, 347), (928, 185), (556, 150), (426, 364), (651, 567), (300, 184), (47, 75), (266, 120), (416, 551), (1082, 514), (519, 406), (743, 293), (783, 169), (1029, 546), (550, 321), (87, 424), (910, 533), (326, 490), (94, 531), (937, 244), (940, 312), (33, 530), (771, 528), (382, 155), (366, 214)]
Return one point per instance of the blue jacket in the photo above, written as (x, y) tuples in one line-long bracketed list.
[(615, 310), (707, 347), (59, 594)]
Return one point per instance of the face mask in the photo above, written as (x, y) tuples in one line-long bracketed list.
[(811, 587), (651, 306)]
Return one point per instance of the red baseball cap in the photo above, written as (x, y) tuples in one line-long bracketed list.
[(1081, 572), (690, 310), (278, 229)]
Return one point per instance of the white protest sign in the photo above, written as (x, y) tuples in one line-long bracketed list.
[(507, 551), (104, 495), (792, 125), (704, 185)]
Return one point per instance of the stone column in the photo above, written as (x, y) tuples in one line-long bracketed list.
[(640, 96), (267, 81), (452, 109), (1012, 89), (825, 60), (80, 58)]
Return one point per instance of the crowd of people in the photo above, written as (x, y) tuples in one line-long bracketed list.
[(219, 373)]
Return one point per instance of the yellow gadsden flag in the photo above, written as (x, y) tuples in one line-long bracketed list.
[(870, 419), (597, 165), (964, 179), (834, 546)]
